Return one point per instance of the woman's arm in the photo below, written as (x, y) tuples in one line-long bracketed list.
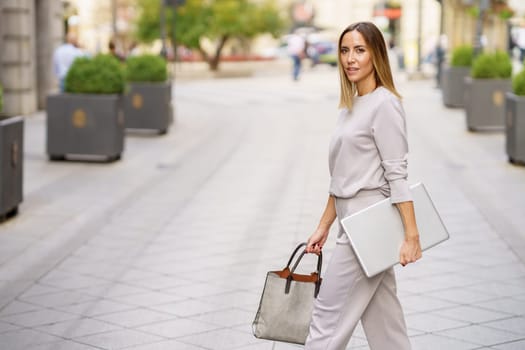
[(319, 237), (410, 249)]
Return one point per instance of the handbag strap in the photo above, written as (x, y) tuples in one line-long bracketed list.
[(319, 267), (295, 252)]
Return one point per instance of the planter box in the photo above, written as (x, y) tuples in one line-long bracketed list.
[(453, 86), (515, 128), (148, 106), (85, 125), (11, 165), (485, 103)]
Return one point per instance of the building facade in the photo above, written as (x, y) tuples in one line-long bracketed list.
[(29, 32)]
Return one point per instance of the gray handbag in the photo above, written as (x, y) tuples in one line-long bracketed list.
[(285, 309)]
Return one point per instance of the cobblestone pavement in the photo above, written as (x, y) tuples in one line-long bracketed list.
[(168, 248)]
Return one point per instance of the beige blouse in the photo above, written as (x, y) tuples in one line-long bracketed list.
[(369, 148)]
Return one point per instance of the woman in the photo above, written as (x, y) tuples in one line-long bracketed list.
[(368, 162)]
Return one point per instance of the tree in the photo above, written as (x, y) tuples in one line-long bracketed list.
[(217, 20)]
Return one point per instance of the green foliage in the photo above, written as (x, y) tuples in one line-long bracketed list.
[(492, 66), (462, 56), (504, 64), (473, 11), (101, 74), (150, 68), (505, 14), (518, 83), (1, 98), (212, 19)]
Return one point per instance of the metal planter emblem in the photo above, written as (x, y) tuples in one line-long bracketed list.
[(15, 151), (79, 118), (498, 98), (137, 101)]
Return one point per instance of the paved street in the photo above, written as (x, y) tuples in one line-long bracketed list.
[(168, 248)]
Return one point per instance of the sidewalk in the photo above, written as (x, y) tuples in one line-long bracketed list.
[(168, 248)]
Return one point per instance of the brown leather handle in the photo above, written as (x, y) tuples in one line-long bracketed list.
[(318, 272)]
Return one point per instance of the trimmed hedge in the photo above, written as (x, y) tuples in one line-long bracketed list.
[(146, 68), (462, 56), (492, 66), (518, 83), (101, 74)]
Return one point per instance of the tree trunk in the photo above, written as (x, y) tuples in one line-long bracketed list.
[(214, 61)]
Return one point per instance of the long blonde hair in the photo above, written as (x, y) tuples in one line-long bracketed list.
[(382, 72)]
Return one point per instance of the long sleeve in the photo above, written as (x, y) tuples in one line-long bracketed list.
[(389, 132)]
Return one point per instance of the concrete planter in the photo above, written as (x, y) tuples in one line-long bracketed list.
[(11, 165), (485, 103), (85, 125), (453, 86), (515, 128), (148, 106)]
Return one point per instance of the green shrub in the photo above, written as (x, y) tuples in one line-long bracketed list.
[(492, 66), (146, 68), (1, 98), (101, 74), (518, 83), (504, 65), (462, 56)]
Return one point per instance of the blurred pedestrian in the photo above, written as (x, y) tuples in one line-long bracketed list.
[(520, 41), (441, 51), (296, 50), (368, 162), (63, 58)]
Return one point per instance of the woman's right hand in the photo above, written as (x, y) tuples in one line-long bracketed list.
[(316, 241)]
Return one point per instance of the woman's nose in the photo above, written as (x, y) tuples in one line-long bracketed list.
[(350, 57)]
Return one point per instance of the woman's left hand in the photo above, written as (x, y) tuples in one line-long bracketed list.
[(410, 251)]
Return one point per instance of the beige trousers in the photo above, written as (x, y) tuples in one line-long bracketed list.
[(347, 296)]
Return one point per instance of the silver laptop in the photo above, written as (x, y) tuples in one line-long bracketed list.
[(376, 232)]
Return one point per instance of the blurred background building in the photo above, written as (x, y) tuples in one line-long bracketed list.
[(30, 30)]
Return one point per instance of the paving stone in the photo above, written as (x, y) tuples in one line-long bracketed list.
[(436, 342), (166, 345), (517, 345), (226, 318), (222, 339), (96, 308), (430, 322), (471, 314), (19, 307), (118, 339), (481, 335), (7, 327), (514, 324), (51, 300), (189, 308), (77, 328), (24, 338), (37, 318), (178, 328), (135, 317), (62, 345)]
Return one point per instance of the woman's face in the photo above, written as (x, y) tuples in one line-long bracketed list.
[(356, 58)]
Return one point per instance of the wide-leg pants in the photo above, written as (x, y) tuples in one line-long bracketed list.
[(347, 295)]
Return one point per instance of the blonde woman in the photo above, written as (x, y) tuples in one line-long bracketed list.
[(368, 162)]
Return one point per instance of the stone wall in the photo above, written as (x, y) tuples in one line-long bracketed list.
[(29, 31), (50, 34)]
